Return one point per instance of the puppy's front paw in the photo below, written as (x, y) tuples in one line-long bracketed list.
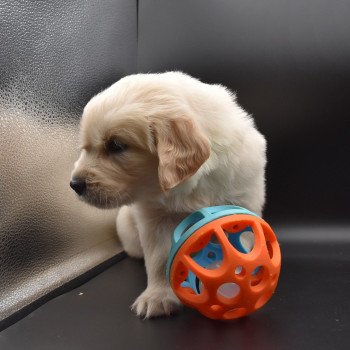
[(156, 301)]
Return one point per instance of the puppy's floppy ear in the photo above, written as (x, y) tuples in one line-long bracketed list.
[(182, 148)]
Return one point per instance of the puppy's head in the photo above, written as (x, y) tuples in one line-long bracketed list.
[(136, 146)]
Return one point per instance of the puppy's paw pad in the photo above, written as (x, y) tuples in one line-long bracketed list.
[(155, 302)]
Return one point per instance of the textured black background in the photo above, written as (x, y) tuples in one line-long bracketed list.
[(60, 53), (54, 55)]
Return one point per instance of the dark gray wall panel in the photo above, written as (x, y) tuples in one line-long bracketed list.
[(289, 63)]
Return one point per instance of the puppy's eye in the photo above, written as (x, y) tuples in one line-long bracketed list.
[(114, 146)]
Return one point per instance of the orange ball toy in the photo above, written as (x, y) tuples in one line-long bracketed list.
[(225, 262)]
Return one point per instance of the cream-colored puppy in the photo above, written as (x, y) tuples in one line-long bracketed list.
[(163, 146)]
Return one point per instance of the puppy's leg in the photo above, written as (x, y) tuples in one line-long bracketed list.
[(128, 232), (155, 234)]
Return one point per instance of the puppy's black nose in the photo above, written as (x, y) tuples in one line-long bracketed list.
[(78, 185)]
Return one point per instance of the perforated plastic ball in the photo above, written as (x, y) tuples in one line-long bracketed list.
[(225, 262)]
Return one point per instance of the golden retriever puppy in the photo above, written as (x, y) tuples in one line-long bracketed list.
[(162, 146)]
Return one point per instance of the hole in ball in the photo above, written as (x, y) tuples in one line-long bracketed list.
[(257, 276), (247, 240), (229, 290), (239, 271), (269, 249)]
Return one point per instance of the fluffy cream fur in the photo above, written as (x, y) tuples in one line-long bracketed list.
[(189, 145)]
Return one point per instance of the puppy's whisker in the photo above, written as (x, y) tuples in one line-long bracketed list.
[(128, 196), (117, 198), (100, 198)]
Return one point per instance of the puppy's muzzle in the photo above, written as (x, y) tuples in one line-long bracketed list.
[(78, 185)]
